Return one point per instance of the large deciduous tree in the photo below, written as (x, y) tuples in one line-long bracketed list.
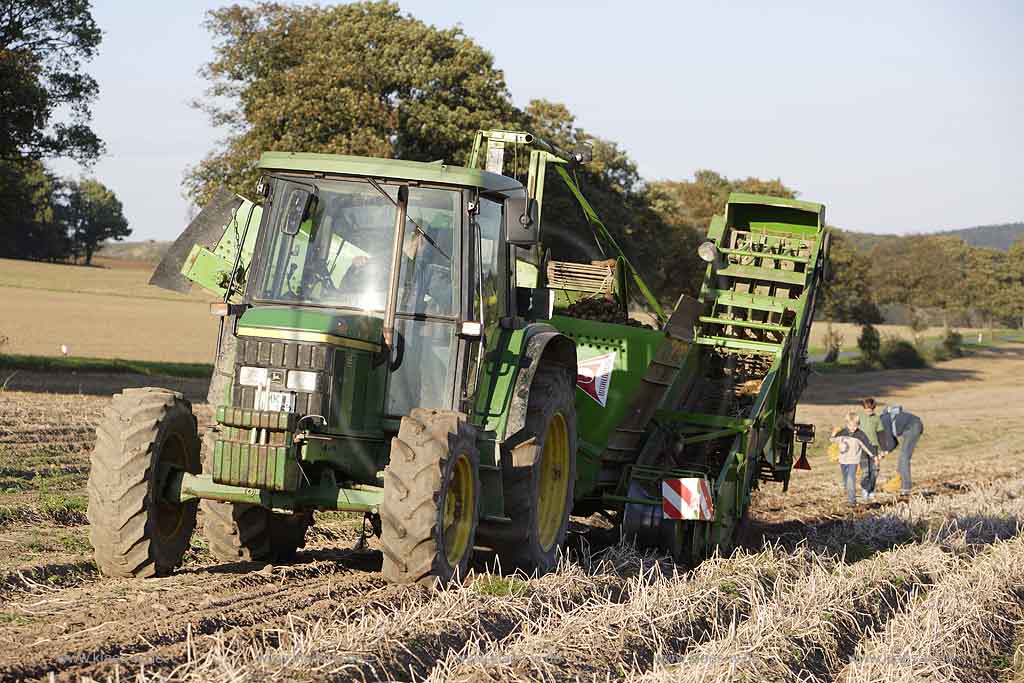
[(29, 227), (848, 296), (92, 214), (361, 79), (43, 45)]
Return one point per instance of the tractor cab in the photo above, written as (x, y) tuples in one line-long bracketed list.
[(370, 286)]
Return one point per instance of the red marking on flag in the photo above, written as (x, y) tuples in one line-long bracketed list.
[(594, 376)]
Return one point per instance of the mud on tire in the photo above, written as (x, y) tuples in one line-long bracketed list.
[(238, 532), (540, 525), (145, 433), (431, 499)]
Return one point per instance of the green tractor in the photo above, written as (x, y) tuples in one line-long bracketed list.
[(396, 341)]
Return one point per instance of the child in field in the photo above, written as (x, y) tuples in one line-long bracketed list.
[(853, 445), (871, 425)]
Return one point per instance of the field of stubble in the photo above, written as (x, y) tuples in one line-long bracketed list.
[(931, 590)]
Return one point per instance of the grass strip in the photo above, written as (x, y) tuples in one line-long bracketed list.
[(114, 365)]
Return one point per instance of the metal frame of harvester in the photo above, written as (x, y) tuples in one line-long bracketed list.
[(541, 413)]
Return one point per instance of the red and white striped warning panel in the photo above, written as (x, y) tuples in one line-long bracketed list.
[(687, 499)]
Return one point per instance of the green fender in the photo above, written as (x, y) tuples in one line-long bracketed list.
[(542, 343)]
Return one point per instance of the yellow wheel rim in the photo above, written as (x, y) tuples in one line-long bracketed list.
[(458, 511), (553, 487)]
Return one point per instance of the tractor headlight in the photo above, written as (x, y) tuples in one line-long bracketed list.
[(252, 377), (301, 380)]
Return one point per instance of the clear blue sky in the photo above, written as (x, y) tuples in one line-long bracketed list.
[(900, 116)]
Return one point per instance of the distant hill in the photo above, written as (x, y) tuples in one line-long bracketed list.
[(994, 236), (150, 250), (866, 241)]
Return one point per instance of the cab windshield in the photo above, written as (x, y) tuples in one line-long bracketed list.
[(340, 256)]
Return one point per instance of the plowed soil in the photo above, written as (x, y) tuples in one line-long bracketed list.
[(838, 596)]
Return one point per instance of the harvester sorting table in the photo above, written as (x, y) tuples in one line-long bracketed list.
[(397, 341)]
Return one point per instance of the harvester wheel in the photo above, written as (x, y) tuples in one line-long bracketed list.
[(238, 532), (431, 499), (539, 488), (685, 541), (146, 435)]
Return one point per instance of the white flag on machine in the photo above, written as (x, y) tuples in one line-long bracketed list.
[(594, 376)]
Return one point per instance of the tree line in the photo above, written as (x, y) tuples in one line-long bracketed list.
[(938, 278), (44, 45), (367, 79)]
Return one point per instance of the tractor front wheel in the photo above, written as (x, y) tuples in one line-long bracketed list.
[(145, 437), (431, 501)]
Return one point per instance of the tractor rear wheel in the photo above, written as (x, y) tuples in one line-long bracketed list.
[(146, 435), (239, 532), (539, 487), (431, 501)]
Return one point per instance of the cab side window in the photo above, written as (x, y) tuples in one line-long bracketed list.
[(489, 226)]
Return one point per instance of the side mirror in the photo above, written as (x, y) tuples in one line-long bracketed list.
[(521, 226), (300, 203), (535, 303), (583, 153)]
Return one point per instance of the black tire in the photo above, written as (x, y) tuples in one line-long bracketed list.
[(145, 434), (685, 541), (434, 467), (239, 532), (552, 393), (726, 533)]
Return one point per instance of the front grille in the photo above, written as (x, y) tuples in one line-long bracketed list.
[(283, 356)]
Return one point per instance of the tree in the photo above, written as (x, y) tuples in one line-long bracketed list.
[(92, 214), (922, 272), (1014, 292), (692, 203), (358, 79), (28, 224), (43, 44), (848, 294)]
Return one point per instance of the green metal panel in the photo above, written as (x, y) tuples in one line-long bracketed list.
[(237, 463), (364, 327), (744, 323), (436, 172), (758, 302), (764, 274), (210, 269), (633, 347), (764, 200)]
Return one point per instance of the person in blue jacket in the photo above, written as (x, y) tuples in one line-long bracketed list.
[(906, 428)]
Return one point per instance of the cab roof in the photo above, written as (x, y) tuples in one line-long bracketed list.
[(432, 172)]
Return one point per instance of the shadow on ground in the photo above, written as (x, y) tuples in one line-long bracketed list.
[(98, 383)]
